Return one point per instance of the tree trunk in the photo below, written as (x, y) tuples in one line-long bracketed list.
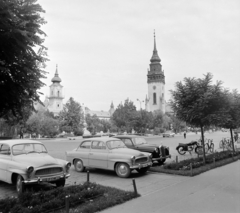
[(232, 139), (203, 145)]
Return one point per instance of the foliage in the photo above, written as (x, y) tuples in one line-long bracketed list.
[(42, 122), (184, 168), (198, 102), (21, 67), (124, 116), (71, 117), (81, 197)]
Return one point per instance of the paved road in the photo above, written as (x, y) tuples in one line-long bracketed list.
[(146, 183)]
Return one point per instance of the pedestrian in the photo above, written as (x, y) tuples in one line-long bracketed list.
[(21, 133), (184, 134), (236, 136)]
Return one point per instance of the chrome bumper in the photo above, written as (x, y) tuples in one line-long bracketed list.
[(139, 166), (49, 179), (160, 158)]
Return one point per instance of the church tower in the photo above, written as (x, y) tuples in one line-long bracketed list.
[(156, 83), (55, 103)]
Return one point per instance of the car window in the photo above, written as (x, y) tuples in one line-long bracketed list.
[(115, 144), (85, 145), (127, 141), (27, 148), (98, 145), (4, 149), (139, 141)]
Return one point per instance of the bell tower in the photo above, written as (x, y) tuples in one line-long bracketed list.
[(56, 97), (156, 83)]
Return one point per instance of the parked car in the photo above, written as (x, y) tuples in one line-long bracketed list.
[(111, 154), (168, 134), (24, 162), (159, 153)]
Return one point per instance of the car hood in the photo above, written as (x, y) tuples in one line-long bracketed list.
[(36, 159), (146, 147), (126, 151)]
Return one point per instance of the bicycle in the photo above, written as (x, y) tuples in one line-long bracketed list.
[(209, 146), (225, 143)]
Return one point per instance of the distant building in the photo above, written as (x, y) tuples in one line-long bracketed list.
[(101, 114), (156, 84)]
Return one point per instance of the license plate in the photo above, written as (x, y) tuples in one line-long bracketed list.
[(50, 179)]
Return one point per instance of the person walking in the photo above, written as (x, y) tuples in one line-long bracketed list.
[(184, 134), (21, 133)]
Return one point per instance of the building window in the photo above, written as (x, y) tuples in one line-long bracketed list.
[(58, 93), (58, 105), (154, 98)]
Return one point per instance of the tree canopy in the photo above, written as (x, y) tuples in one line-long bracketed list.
[(22, 55), (71, 117)]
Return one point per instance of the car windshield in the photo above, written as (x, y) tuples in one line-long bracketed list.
[(27, 148), (139, 141), (115, 144)]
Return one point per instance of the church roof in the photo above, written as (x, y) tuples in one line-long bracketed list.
[(155, 57), (56, 77)]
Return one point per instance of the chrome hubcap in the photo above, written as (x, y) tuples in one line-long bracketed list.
[(122, 169)]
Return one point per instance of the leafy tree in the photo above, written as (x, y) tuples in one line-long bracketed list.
[(197, 101), (93, 123), (123, 116), (71, 117), (22, 55), (49, 126), (230, 112)]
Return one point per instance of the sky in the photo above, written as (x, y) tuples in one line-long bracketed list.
[(103, 47)]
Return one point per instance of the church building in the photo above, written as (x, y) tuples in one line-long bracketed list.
[(155, 99)]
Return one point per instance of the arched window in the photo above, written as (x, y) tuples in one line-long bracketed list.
[(154, 98), (58, 93)]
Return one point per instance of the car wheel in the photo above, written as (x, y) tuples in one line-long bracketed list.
[(122, 170), (143, 170), (160, 162), (78, 164), (60, 183), (20, 186)]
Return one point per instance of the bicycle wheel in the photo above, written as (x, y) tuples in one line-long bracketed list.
[(211, 149), (199, 150), (206, 148), (221, 144)]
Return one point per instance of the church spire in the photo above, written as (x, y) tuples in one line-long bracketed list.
[(155, 57), (56, 77)]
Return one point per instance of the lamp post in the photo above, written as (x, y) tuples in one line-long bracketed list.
[(140, 103), (141, 112)]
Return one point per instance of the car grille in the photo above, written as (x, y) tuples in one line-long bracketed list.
[(49, 171), (141, 160)]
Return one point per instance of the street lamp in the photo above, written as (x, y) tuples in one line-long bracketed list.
[(140, 103)]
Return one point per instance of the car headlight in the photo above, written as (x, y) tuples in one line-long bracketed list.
[(156, 150), (150, 156), (133, 159), (30, 169), (68, 165)]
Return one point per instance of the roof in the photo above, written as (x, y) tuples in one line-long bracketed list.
[(18, 141), (127, 136), (103, 139)]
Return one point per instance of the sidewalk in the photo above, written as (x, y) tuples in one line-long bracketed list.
[(217, 190)]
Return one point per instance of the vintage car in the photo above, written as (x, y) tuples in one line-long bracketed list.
[(168, 134), (159, 153), (108, 153), (24, 162)]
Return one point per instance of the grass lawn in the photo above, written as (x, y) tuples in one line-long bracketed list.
[(87, 197), (184, 167)]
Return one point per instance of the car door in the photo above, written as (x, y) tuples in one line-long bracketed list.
[(83, 151), (5, 161), (98, 155)]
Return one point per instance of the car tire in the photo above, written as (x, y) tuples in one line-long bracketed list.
[(123, 170), (161, 162), (143, 170), (79, 167), (20, 186), (60, 183)]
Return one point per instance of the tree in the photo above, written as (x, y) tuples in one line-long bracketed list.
[(230, 112), (123, 116), (21, 64), (197, 102), (71, 117), (93, 123)]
